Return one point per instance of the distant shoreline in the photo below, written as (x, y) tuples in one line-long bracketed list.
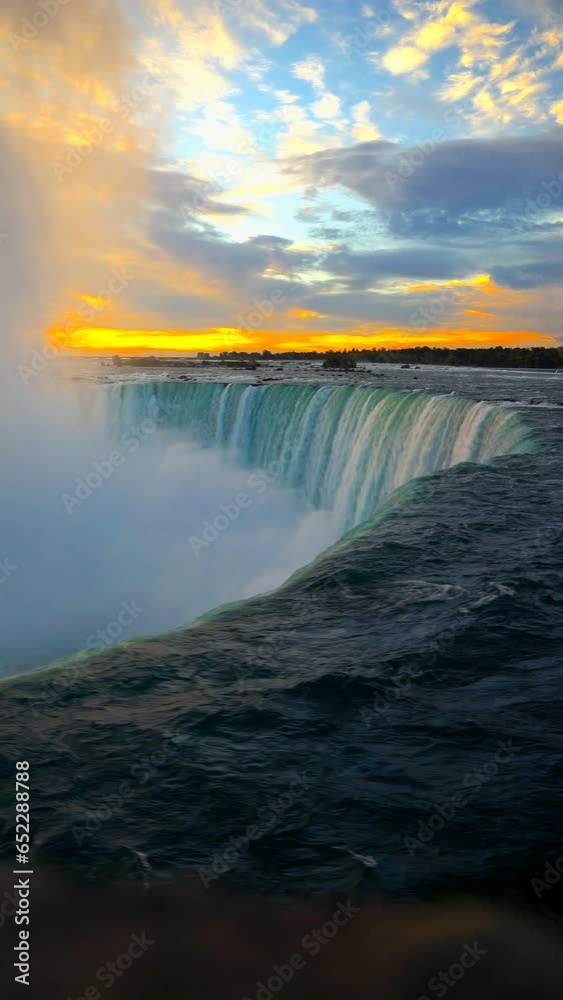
[(495, 358)]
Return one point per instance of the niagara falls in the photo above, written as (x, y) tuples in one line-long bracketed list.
[(281, 501)]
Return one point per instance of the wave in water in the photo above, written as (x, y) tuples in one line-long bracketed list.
[(343, 448)]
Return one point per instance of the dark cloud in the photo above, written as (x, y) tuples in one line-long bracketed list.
[(347, 307), (245, 268), (529, 275), (239, 274), (328, 233), (267, 242), (232, 264), (369, 268), (441, 187), (188, 197), (441, 217), (330, 223)]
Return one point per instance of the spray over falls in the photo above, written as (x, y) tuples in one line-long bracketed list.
[(342, 448)]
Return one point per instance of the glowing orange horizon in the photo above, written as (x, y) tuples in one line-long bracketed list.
[(303, 330), (213, 341)]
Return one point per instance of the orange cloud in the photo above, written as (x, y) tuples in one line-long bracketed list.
[(433, 286), (303, 313)]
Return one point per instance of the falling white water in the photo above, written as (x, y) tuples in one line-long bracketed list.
[(343, 449), (220, 492)]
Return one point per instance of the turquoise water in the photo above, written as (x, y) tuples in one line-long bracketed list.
[(344, 449), (387, 673)]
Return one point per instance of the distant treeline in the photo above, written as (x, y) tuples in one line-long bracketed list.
[(485, 357)]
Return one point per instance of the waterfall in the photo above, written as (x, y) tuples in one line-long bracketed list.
[(342, 448)]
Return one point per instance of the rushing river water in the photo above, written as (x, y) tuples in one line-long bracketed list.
[(389, 718)]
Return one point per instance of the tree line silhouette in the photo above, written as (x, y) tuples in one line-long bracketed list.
[(549, 358)]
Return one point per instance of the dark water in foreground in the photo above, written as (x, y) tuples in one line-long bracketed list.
[(389, 720)]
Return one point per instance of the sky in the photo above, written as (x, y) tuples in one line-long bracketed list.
[(240, 175)]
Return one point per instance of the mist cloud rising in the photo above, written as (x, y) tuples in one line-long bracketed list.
[(128, 540), (66, 576)]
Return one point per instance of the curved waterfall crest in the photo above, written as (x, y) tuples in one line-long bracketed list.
[(344, 448)]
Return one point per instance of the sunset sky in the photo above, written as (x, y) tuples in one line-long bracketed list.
[(292, 175)]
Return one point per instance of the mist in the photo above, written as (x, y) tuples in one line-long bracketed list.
[(114, 534), (120, 562)]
